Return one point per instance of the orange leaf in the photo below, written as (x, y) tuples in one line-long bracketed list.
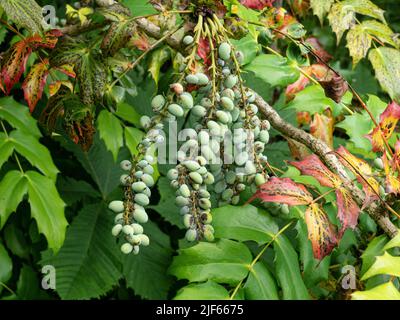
[(303, 118), (49, 40), (387, 124), (313, 166), (283, 190), (320, 231), (34, 83), (54, 87), (363, 171), (322, 127), (392, 181), (14, 64), (348, 210)]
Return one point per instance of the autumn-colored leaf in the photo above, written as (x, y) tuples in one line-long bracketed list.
[(34, 83), (203, 51), (320, 231), (14, 64), (54, 87), (348, 210), (318, 49), (334, 86), (322, 127), (396, 156), (301, 7), (298, 150), (313, 166), (283, 190), (257, 4), (67, 69), (363, 172), (303, 118), (141, 42), (392, 180), (49, 40), (387, 124)]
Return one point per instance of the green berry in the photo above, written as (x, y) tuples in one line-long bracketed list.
[(140, 216), (191, 165), (235, 200), (224, 51), (172, 174), (250, 168), (176, 110), (202, 79), (187, 40), (206, 218), (208, 233), (199, 111), (116, 230), (263, 136), (149, 170), (125, 179), (187, 220), (184, 190), (126, 165), (205, 203), (228, 93), (182, 201), (144, 240), (127, 229), (116, 206), (137, 228), (285, 209), (158, 102), (206, 102), (231, 81), (222, 116), (186, 100), (227, 103), (209, 178), (126, 248), (191, 235), (192, 79), (139, 186), (145, 122), (119, 218), (378, 163), (259, 179), (142, 199), (196, 177), (241, 158), (148, 180)]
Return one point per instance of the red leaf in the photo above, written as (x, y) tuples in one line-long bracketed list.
[(319, 49), (15, 64), (313, 166), (320, 231), (34, 83), (303, 118), (322, 127), (283, 190), (387, 124), (348, 210), (363, 172), (203, 50), (257, 4)]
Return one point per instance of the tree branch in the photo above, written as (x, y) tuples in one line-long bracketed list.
[(376, 210)]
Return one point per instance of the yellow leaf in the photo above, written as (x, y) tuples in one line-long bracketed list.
[(386, 291)]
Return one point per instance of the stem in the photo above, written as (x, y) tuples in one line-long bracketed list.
[(259, 256)]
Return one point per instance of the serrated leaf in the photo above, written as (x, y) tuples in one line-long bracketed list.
[(47, 208), (224, 261), (26, 13), (157, 60), (6, 266), (18, 116), (128, 113), (111, 132), (273, 70), (375, 248), (385, 264), (322, 127), (288, 270), (133, 137), (348, 210), (72, 190), (260, 284), (386, 291), (37, 154), (358, 42), (146, 273), (386, 63), (387, 124), (34, 83), (203, 291), (28, 285), (313, 166), (246, 223), (283, 190), (321, 8), (117, 36), (13, 187), (6, 148), (320, 231), (88, 263), (395, 242)]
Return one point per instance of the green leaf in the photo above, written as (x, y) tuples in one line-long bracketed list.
[(6, 148), (203, 291), (395, 242), (88, 263), (128, 113), (16, 241), (157, 60), (37, 154), (110, 130), (72, 190), (133, 137), (386, 63), (139, 7), (386, 264), (260, 285), (26, 13), (248, 45), (386, 291), (6, 266), (13, 187), (166, 206), (47, 208), (18, 116), (288, 270), (321, 8), (224, 261), (146, 273), (313, 100), (273, 70), (374, 248), (379, 30), (244, 224)]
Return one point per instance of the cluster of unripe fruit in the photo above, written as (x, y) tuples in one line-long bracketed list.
[(190, 178), (131, 214)]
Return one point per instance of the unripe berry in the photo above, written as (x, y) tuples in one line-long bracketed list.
[(126, 165), (116, 230), (116, 206), (126, 248)]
